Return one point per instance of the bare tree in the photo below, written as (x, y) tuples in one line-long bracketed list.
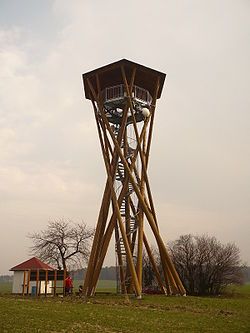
[(150, 283), (62, 243), (148, 271), (204, 264)]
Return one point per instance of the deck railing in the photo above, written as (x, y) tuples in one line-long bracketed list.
[(118, 92)]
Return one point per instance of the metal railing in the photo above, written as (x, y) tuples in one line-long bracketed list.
[(114, 93), (141, 94), (118, 92)]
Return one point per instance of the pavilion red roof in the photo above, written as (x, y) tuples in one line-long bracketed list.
[(33, 263)]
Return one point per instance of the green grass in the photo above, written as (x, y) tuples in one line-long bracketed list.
[(106, 286), (5, 287), (235, 290), (112, 313)]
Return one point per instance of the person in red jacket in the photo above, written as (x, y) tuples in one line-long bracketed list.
[(68, 285)]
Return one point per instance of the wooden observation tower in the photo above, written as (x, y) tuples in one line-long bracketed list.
[(123, 95)]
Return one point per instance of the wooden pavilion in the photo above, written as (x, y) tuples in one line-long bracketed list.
[(34, 277)]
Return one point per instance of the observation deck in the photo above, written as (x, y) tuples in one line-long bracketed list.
[(115, 97), (108, 82)]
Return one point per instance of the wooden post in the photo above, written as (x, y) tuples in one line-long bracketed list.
[(46, 282), (55, 280), (28, 283), (103, 215), (151, 258), (120, 264), (37, 282), (24, 282), (64, 278), (123, 231)]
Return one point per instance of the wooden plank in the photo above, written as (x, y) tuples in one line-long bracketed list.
[(28, 283), (37, 283), (55, 280), (46, 282), (64, 278), (24, 282)]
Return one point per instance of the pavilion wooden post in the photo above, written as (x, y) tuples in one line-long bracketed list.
[(124, 94), (64, 278), (24, 282), (46, 282), (55, 279), (37, 282), (28, 282)]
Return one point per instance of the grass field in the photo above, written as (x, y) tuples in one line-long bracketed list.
[(5, 287), (112, 313)]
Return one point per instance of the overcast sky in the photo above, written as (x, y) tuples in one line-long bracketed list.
[(50, 160)]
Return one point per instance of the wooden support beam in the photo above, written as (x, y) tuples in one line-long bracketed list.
[(55, 282), (37, 282), (120, 263), (98, 239), (64, 278), (28, 283), (104, 146), (121, 226), (46, 282), (24, 282), (151, 258), (150, 214)]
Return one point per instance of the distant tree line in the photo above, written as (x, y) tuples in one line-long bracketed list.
[(6, 278), (107, 273), (246, 274)]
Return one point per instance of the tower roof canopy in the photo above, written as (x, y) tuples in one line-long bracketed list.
[(111, 75), (33, 263)]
